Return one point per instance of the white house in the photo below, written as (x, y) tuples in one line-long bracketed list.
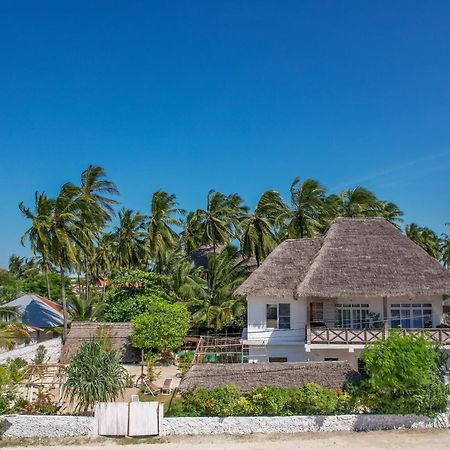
[(325, 298)]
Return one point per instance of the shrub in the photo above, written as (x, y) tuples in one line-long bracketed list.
[(162, 328), (94, 375), (405, 376)]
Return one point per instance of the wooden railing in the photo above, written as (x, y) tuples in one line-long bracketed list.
[(363, 336)]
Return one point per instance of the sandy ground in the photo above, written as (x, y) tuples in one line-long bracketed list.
[(395, 440)]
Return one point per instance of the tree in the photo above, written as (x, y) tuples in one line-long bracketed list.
[(216, 305), (95, 192), (132, 292), (306, 216), (425, 238), (11, 331), (445, 250), (39, 234), (214, 223), (86, 309), (357, 202), (95, 375), (127, 240), (406, 375), (160, 234), (164, 327), (258, 238)]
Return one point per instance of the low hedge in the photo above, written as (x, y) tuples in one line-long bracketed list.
[(224, 401)]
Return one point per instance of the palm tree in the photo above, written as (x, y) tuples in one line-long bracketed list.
[(357, 202), (258, 238), (95, 191), (86, 310), (390, 211), (10, 332), (445, 250), (39, 234), (306, 216), (160, 235), (214, 222), (191, 238), (67, 233), (217, 305), (127, 240), (425, 238)]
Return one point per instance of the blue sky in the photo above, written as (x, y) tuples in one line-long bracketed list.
[(232, 95)]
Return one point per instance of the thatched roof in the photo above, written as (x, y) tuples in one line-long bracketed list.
[(332, 374), (357, 257), (117, 334), (283, 269)]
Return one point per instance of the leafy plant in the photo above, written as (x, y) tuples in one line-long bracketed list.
[(94, 375), (405, 376), (162, 328)]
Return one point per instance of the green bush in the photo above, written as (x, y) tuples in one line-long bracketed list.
[(312, 399), (405, 376)]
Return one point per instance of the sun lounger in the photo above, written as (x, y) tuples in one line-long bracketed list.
[(167, 386), (151, 388)]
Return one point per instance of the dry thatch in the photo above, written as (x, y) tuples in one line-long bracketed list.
[(332, 374), (371, 257), (117, 335), (357, 257), (283, 270)]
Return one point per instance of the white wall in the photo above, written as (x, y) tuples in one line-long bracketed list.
[(256, 322)]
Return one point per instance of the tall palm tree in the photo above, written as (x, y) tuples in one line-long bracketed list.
[(216, 305), (357, 202), (306, 216), (39, 234), (214, 223), (161, 237), (95, 191), (425, 237), (127, 240), (191, 237), (258, 238), (390, 211), (67, 233), (445, 250)]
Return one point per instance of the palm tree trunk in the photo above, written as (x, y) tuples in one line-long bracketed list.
[(63, 298), (47, 281), (86, 278)]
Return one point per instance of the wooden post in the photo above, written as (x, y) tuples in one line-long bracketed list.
[(385, 316), (308, 322)]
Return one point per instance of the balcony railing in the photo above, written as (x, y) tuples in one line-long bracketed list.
[(335, 336)]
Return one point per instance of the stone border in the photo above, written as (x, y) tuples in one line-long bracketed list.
[(295, 424), (33, 426)]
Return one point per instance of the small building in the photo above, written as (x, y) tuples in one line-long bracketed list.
[(325, 298), (39, 314), (117, 335)]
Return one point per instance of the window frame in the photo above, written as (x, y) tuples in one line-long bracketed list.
[(352, 315), (406, 318), (283, 316)]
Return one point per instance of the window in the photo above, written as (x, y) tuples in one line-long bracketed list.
[(278, 316), (278, 359), (316, 314), (411, 315), (331, 359), (352, 315)]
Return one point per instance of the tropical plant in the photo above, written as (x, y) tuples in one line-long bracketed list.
[(39, 233), (163, 327), (127, 240), (95, 374), (425, 238), (258, 238), (305, 219), (405, 375), (163, 216), (10, 332), (357, 202), (132, 292), (216, 305), (445, 250), (86, 309)]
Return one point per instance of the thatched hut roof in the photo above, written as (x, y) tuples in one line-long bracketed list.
[(117, 334), (332, 374), (357, 257), (283, 269)]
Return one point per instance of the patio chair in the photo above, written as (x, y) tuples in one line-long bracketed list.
[(151, 388), (167, 386)]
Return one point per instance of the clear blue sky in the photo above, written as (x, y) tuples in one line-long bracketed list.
[(233, 95)]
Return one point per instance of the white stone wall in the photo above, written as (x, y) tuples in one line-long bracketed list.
[(294, 424), (28, 352), (24, 426)]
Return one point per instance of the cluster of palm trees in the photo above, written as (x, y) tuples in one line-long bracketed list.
[(75, 232)]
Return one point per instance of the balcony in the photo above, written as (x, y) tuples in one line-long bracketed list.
[(351, 336)]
